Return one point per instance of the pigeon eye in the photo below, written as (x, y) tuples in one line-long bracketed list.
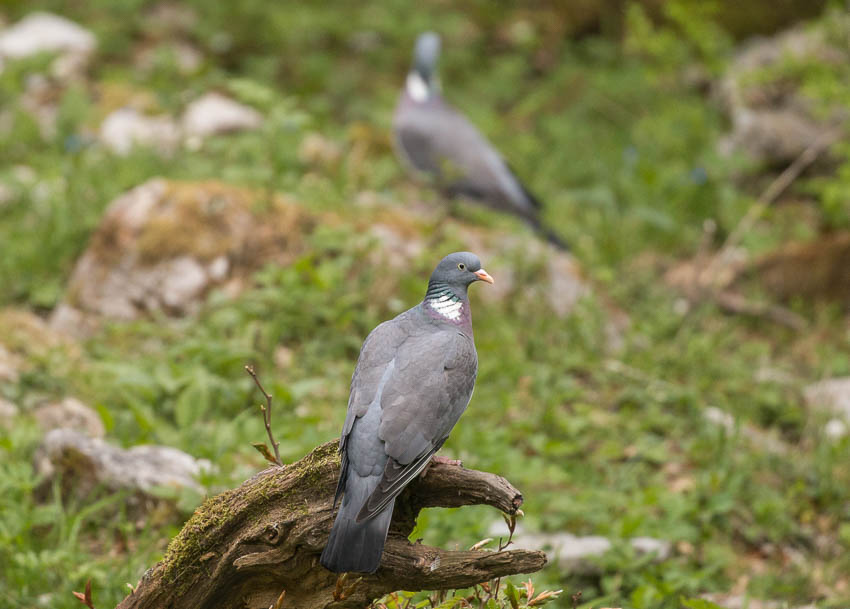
[(461, 266)]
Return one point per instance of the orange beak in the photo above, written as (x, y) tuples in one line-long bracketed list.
[(484, 276)]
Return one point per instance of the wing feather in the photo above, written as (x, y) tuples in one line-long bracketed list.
[(421, 402)]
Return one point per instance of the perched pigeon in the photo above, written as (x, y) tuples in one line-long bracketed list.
[(433, 138), (413, 380)]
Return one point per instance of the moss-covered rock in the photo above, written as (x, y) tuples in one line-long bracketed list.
[(163, 245)]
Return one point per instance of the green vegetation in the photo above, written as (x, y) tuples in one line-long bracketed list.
[(620, 146)]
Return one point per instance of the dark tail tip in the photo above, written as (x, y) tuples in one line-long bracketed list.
[(554, 239), (356, 547), (547, 233)]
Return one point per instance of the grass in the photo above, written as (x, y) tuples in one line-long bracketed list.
[(601, 442)]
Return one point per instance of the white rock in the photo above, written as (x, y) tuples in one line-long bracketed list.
[(70, 413), (126, 128), (214, 113), (835, 429), (572, 552), (45, 32), (737, 601), (182, 282), (218, 268), (650, 545), (95, 462), (714, 415), (831, 394)]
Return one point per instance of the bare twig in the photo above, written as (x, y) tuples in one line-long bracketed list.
[(510, 520), (735, 303), (267, 417)]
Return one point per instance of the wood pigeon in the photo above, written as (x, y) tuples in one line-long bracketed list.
[(412, 382), (434, 139)]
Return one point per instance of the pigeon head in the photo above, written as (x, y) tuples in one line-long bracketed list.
[(425, 56), (422, 79), (454, 274), (446, 298)]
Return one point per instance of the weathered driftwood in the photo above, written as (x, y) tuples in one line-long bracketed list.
[(242, 548)]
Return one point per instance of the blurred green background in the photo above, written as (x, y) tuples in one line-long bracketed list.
[(610, 112)]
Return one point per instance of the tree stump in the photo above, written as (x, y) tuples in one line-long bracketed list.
[(242, 548)]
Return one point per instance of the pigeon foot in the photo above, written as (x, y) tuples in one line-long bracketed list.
[(442, 461)]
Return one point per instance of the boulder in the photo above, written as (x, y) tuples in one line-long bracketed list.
[(573, 553), (85, 463), (69, 413), (163, 245), (125, 128), (740, 601), (832, 395), (213, 114), (773, 121), (45, 33)]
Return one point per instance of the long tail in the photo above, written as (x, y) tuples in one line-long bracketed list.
[(546, 232), (354, 547)]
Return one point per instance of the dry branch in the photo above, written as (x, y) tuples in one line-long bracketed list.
[(267, 419), (243, 548)]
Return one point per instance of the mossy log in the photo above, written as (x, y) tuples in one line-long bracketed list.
[(242, 548)]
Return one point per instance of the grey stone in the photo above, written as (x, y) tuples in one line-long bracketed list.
[(213, 114), (125, 128), (832, 395), (738, 601), (773, 121), (70, 413), (93, 461), (161, 246), (835, 429), (573, 553), (45, 32)]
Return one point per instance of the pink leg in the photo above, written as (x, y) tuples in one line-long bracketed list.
[(446, 461)]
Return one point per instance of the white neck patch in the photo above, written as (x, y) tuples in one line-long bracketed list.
[(417, 88), (447, 305)]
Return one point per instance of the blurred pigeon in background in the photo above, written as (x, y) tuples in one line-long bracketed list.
[(413, 380), (433, 138)]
